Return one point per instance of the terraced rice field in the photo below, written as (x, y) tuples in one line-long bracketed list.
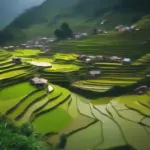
[(26, 53), (102, 123)]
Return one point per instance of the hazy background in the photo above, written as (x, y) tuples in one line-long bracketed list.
[(9, 9)]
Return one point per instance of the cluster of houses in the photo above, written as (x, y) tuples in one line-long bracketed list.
[(40, 43), (84, 34), (79, 35), (100, 58), (122, 28), (17, 60)]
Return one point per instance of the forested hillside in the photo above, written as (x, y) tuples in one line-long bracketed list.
[(82, 15)]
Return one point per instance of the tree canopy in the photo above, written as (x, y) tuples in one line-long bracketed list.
[(64, 31), (19, 138)]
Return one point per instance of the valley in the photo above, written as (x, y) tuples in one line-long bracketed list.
[(75, 75)]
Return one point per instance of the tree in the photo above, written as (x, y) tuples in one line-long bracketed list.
[(66, 30), (59, 34), (27, 129), (19, 138)]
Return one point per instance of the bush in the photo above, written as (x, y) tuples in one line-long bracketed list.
[(27, 129)]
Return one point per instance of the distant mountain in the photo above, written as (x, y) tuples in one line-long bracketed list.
[(82, 15), (10, 9)]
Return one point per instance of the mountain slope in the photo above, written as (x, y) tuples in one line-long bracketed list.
[(11, 9), (82, 15)]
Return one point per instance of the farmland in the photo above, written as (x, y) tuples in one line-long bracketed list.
[(90, 111)]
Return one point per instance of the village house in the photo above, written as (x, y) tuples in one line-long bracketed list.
[(81, 57), (92, 57), (11, 48), (115, 59), (119, 27), (126, 61), (122, 28), (46, 50), (148, 75), (77, 36), (6, 48), (84, 34), (94, 73), (29, 43), (17, 47), (100, 31), (141, 90), (39, 82), (16, 60), (99, 58), (23, 45), (50, 40), (88, 60)]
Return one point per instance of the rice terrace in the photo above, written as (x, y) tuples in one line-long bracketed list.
[(92, 88), (32, 90)]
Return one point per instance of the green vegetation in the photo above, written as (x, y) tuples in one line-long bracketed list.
[(64, 31), (52, 121), (11, 92), (61, 111), (25, 103), (81, 15), (90, 136), (120, 120), (23, 137), (62, 68), (26, 53)]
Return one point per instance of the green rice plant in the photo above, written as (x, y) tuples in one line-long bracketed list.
[(140, 108), (52, 121), (140, 138), (11, 74), (25, 103), (87, 138), (55, 103), (39, 105)]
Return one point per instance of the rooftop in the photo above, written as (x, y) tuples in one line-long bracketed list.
[(37, 80)]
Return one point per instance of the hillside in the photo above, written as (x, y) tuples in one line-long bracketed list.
[(82, 15), (9, 10)]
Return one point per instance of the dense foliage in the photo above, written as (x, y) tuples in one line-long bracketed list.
[(19, 138), (64, 31)]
